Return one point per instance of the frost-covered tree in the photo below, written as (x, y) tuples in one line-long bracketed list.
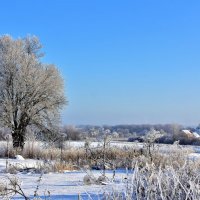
[(31, 92), (149, 141)]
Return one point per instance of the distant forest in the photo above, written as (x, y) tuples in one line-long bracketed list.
[(169, 133)]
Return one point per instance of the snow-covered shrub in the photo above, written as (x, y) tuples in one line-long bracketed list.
[(170, 175), (10, 186), (151, 182), (156, 183), (89, 179)]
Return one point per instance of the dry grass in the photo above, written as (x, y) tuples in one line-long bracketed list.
[(170, 175), (165, 175), (63, 166), (153, 182), (115, 157)]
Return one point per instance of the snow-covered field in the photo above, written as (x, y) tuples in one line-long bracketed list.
[(68, 185), (80, 144)]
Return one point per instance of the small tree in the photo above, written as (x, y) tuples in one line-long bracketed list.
[(31, 93), (149, 142), (72, 133)]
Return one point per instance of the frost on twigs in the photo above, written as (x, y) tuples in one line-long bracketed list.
[(31, 92), (10, 186)]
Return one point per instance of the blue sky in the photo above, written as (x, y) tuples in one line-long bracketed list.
[(123, 62)]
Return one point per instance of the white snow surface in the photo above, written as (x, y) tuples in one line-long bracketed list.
[(68, 185), (19, 157), (194, 156), (80, 144)]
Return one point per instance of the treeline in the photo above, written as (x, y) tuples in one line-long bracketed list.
[(130, 130), (143, 129), (169, 133)]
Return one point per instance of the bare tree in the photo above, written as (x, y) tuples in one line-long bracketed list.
[(72, 133), (31, 93), (149, 142)]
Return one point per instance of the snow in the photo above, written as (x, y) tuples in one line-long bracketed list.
[(68, 185), (79, 144), (19, 164), (196, 134), (194, 156), (189, 133), (19, 157)]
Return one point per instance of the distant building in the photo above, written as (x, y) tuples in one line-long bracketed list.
[(191, 133)]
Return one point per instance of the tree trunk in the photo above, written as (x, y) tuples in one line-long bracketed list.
[(18, 139)]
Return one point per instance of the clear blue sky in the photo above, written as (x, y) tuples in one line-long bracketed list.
[(124, 62)]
